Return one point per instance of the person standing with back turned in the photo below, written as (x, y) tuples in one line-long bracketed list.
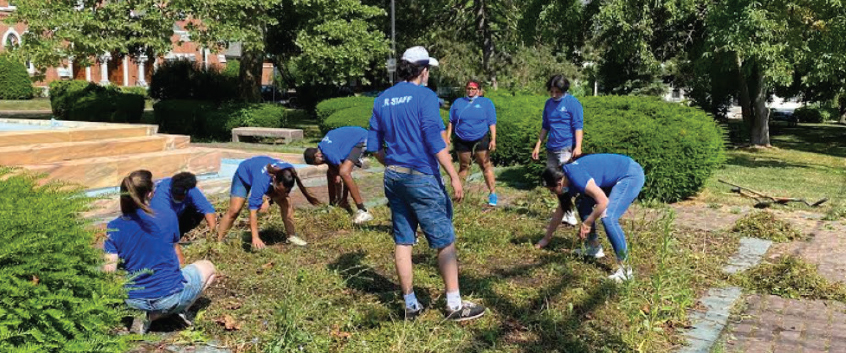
[(406, 134)]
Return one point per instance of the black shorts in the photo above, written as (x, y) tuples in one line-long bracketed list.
[(355, 155), (481, 144)]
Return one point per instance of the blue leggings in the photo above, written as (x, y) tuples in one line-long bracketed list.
[(620, 196)]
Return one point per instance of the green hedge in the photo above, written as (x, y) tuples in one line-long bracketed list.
[(816, 113), (86, 101), (14, 80), (328, 107), (183, 79), (207, 120), (53, 297)]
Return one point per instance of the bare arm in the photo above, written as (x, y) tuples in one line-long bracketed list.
[(577, 151), (178, 249), (492, 145), (257, 243), (601, 200), (446, 161), (380, 156), (448, 134), (111, 263), (211, 220), (536, 151), (346, 174)]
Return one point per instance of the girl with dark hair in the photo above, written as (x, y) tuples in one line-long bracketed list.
[(180, 197), (562, 122), (258, 177), (148, 247), (472, 117), (608, 183)]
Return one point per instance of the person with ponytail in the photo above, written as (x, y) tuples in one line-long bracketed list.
[(608, 183), (147, 246), (258, 177), (472, 117)]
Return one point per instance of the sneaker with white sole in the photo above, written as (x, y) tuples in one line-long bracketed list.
[(362, 216), (595, 252), (492, 200), (296, 241), (185, 320), (570, 218), (622, 274), (467, 311), (413, 313)]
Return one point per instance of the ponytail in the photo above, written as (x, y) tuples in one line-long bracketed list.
[(287, 177), (134, 190)]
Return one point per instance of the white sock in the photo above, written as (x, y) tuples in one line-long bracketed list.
[(453, 300), (411, 301)]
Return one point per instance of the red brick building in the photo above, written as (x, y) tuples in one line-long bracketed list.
[(118, 69)]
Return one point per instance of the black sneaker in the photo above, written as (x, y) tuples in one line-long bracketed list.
[(411, 314), (467, 311)]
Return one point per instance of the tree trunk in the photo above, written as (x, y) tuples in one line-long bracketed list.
[(483, 27), (250, 76), (747, 113), (758, 95)]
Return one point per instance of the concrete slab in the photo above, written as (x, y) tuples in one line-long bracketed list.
[(287, 134)]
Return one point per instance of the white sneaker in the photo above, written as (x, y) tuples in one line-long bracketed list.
[(569, 218), (622, 274), (595, 252), (296, 241), (362, 216)]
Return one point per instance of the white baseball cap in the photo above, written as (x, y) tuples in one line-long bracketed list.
[(419, 55)]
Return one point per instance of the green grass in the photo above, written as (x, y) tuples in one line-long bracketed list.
[(807, 162), (339, 294)]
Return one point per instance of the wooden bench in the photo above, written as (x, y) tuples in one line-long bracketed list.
[(287, 135)]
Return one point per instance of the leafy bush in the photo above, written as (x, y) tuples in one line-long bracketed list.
[(183, 79), (765, 225), (53, 298), (232, 69), (140, 91), (816, 113), (14, 80), (86, 101), (206, 120), (328, 107)]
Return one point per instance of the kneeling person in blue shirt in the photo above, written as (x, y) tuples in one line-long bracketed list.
[(341, 149), (181, 196)]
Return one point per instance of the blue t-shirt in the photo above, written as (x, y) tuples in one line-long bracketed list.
[(605, 170), (562, 119), (162, 200), (338, 143), (406, 119), (253, 173), (143, 243), (472, 118)]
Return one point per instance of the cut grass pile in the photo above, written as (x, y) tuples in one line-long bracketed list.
[(765, 225), (791, 277), (339, 293)]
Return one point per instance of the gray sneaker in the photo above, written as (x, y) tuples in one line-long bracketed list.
[(296, 241), (411, 314), (140, 324), (467, 311)]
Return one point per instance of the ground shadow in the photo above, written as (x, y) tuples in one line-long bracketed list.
[(828, 139), (364, 278), (271, 235), (748, 161), (515, 177)]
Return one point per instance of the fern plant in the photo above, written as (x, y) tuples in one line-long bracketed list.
[(53, 296)]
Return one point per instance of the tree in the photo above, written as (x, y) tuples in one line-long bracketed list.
[(822, 71), (92, 28)]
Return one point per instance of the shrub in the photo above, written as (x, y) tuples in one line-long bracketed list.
[(53, 296), (232, 69), (679, 147), (183, 79), (14, 80), (206, 120), (816, 113), (87, 101), (328, 107)]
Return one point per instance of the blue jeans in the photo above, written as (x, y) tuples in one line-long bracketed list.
[(177, 302), (620, 196), (419, 200)]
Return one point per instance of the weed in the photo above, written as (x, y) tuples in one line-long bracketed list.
[(791, 277), (765, 225), (735, 210)]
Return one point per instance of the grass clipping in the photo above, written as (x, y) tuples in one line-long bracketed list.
[(792, 278), (765, 225)]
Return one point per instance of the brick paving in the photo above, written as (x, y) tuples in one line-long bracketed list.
[(826, 248), (774, 324)]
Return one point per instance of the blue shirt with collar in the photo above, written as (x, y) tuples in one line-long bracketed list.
[(145, 244), (163, 200), (338, 143), (472, 117), (253, 173), (407, 122), (605, 169), (562, 119)]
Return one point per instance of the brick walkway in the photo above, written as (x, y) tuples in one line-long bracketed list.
[(826, 248), (776, 325)]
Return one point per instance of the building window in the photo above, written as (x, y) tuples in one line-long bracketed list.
[(12, 41), (676, 93)]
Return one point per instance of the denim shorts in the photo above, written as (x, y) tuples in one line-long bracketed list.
[(239, 188), (176, 302), (422, 200)]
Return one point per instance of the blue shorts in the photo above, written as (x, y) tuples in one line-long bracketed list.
[(176, 302), (419, 200), (239, 188)]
